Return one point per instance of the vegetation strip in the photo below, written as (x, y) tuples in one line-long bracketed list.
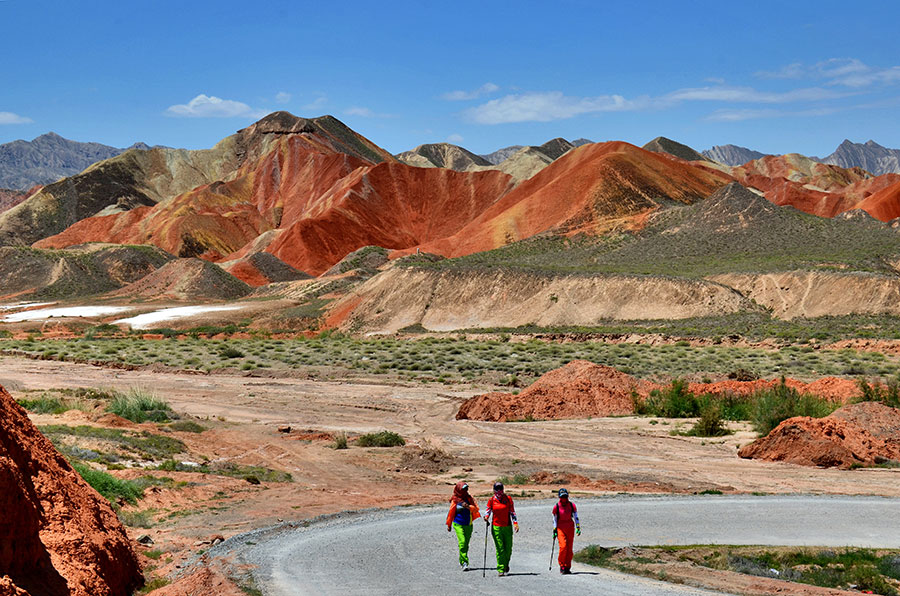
[(456, 357), (868, 570)]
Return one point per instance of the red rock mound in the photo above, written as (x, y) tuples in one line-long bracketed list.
[(577, 390), (57, 535), (864, 433), (833, 388)]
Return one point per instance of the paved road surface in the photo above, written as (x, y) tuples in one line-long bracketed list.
[(408, 550)]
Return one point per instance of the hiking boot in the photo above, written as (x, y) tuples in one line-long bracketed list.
[(566, 571), (465, 566), (501, 573)]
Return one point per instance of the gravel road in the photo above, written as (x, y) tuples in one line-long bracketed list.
[(409, 551)]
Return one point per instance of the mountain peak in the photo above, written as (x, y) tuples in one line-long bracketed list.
[(664, 145)]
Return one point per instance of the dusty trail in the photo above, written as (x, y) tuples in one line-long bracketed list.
[(407, 551)]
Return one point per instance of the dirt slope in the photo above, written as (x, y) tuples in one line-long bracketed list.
[(863, 433), (186, 279), (580, 389), (59, 536), (815, 294), (83, 271), (261, 268), (446, 300)]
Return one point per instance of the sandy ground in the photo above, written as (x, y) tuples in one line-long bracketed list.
[(626, 454)]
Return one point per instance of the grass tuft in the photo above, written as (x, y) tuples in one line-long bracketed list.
[(139, 405), (384, 438)]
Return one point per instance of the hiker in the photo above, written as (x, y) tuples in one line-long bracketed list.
[(463, 512), (565, 528), (504, 512)]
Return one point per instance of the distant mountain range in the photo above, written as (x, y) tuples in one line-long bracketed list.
[(869, 156), (48, 158), (732, 155)]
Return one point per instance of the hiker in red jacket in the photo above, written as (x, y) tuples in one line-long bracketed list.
[(463, 512), (504, 512), (565, 527)]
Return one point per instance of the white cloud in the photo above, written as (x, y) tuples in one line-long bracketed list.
[(316, 104), (728, 115), (847, 72), (455, 138), (282, 97), (545, 107), (207, 106), (750, 95), (485, 89), (10, 118), (365, 113)]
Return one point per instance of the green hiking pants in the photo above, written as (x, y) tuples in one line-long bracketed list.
[(503, 536), (463, 535)]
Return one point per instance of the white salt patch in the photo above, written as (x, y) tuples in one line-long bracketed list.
[(23, 305), (68, 311), (179, 312)]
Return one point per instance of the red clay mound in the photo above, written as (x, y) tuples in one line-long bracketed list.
[(577, 390), (833, 388), (865, 433), (57, 535)]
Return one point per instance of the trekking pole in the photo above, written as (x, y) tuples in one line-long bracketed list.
[(484, 564), (552, 548)]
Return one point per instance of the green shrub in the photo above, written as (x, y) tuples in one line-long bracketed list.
[(187, 426), (594, 555), (773, 406), (44, 405), (136, 519), (340, 441), (231, 352), (109, 486), (139, 405), (384, 438), (675, 401), (888, 394), (710, 422)]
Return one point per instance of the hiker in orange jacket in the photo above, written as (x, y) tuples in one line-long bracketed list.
[(501, 507), (463, 511), (565, 527)]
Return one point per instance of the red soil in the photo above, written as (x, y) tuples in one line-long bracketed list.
[(58, 535), (865, 433), (577, 390), (833, 388), (582, 389)]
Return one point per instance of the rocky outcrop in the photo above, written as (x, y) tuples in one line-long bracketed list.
[(57, 535), (863, 434), (580, 389)]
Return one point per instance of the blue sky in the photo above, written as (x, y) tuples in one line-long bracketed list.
[(773, 76)]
